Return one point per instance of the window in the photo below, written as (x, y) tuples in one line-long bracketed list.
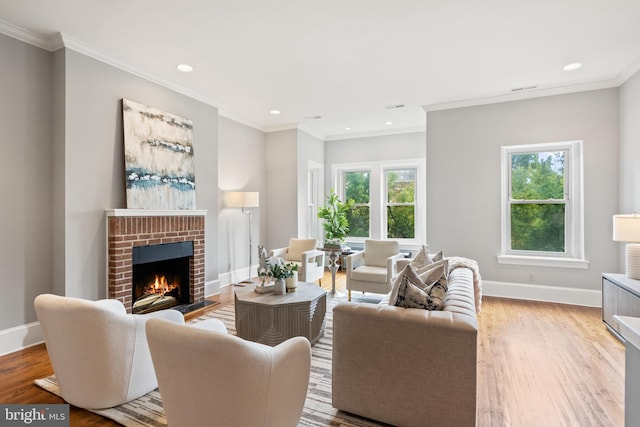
[(389, 199), (356, 187), (542, 205), (401, 197)]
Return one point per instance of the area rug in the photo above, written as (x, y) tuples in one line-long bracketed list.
[(146, 411)]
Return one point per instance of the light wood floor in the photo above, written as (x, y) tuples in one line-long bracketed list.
[(539, 364)]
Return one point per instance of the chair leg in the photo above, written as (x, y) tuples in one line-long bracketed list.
[(349, 294)]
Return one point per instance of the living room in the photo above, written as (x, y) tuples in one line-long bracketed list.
[(63, 154)]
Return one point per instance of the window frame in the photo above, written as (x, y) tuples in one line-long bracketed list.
[(387, 204), (573, 255), (377, 196)]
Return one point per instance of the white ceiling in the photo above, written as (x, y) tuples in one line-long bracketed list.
[(345, 60)]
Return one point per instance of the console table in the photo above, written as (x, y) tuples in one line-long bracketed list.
[(620, 296), (630, 330)]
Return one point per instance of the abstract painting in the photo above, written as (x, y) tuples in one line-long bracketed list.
[(159, 162)]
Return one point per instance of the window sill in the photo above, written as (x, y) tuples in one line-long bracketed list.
[(541, 261)]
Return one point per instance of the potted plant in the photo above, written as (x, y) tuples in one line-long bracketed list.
[(336, 224), (279, 272), (291, 281)]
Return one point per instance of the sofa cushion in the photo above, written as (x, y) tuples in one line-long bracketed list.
[(368, 273), (411, 291), (377, 251), (298, 246)]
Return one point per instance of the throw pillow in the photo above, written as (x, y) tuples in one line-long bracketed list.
[(410, 291), (426, 273), (423, 258)]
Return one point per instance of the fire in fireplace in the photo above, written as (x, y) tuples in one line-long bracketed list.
[(160, 276)]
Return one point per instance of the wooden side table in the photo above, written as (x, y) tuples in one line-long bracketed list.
[(271, 319)]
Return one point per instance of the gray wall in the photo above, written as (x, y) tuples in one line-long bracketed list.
[(241, 151), (310, 148), (282, 187), (94, 164), (463, 179), (26, 192), (629, 158)]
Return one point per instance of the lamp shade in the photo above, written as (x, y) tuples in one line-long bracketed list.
[(626, 228), (242, 199)]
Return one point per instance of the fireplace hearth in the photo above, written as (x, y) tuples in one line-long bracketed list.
[(178, 237)]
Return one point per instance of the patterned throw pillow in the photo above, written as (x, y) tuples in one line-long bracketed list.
[(410, 291), (424, 258)]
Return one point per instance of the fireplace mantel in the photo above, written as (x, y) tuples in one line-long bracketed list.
[(153, 212)]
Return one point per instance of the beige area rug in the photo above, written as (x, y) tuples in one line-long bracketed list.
[(146, 411)]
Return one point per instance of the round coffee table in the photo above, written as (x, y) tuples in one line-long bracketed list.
[(271, 319)]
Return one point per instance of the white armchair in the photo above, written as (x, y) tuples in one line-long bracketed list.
[(303, 253), (99, 353), (372, 269), (209, 378)]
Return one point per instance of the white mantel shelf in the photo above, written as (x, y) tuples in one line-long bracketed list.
[(153, 212)]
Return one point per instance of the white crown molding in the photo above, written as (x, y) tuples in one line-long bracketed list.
[(311, 132), (628, 72), (26, 36), (539, 93), (286, 126), (78, 46), (378, 132), (240, 120)]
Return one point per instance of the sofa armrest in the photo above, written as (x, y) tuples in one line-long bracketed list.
[(387, 359), (354, 259), (281, 252), (391, 265), (314, 256)]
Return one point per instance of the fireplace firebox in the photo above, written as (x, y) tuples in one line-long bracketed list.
[(160, 276)]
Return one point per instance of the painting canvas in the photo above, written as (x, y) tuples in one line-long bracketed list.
[(159, 162)]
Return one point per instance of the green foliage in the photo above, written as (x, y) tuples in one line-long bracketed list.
[(538, 177), (279, 271), (334, 213), (401, 219)]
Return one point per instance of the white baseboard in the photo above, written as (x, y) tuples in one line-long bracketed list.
[(557, 294), (211, 287), (20, 337), (235, 276)]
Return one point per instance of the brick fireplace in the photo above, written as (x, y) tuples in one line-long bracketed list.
[(129, 228)]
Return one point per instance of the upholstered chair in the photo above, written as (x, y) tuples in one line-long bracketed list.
[(212, 378), (372, 269), (303, 253), (99, 353)]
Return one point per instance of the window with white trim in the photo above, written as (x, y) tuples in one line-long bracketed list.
[(388, 199), (542, 208)]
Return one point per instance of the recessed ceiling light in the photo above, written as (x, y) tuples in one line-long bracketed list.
[(274, 112), (388, 123), (185, 68), (347, 128), (572, 66)]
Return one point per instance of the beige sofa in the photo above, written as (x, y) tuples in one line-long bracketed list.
[(407, 366)]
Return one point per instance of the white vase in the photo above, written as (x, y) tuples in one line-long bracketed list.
[(280, 288), (292, 282)]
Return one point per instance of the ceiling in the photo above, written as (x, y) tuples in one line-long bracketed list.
[(346, 60)]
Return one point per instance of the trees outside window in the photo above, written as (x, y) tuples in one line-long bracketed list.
[(389, 199), (542, 219), (401, 197), (356, 188)]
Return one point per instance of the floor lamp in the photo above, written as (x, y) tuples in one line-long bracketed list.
[(243, 200)]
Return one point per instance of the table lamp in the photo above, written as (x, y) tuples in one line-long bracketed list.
[(626, 228)]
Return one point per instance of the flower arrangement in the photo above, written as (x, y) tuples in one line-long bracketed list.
[(282, 271)]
